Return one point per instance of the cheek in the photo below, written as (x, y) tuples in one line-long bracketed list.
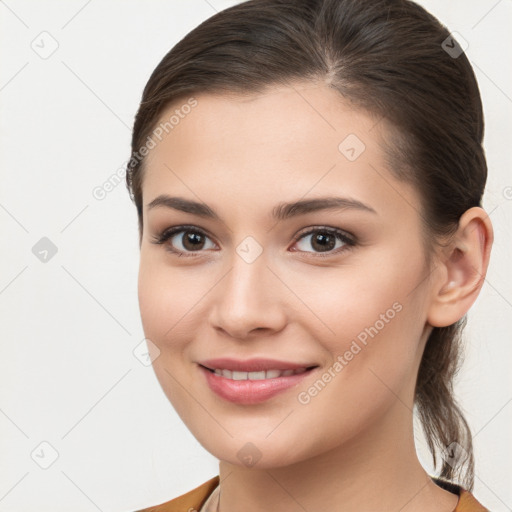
[(152, 300), (359, 301), (163, 311), (372, 369), (166, 301), (374, 321)]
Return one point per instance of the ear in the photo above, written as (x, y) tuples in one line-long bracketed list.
[(461, 269)]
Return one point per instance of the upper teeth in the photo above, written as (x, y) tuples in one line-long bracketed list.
[(268, 374)]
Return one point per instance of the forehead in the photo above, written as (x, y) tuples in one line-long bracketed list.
[(297, 114), (295, 140)]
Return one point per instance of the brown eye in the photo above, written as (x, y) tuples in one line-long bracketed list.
[(183, 240), (189, 241), (192, 241), (323, 240)]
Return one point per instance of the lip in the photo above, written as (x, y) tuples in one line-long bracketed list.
[(251, 391), (252, 365)]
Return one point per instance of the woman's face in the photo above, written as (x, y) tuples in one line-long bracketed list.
[(343, 289)]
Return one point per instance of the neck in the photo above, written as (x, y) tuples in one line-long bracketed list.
[(376, 470)]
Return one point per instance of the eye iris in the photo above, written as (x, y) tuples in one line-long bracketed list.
[(325, 242), (196, 239)]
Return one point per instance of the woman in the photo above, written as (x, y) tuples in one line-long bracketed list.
[(308, 176)]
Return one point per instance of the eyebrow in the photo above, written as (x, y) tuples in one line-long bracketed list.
[(282, 211)]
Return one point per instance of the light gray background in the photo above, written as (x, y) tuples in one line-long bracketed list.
[(70, 325)]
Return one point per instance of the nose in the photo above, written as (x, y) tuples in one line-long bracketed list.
[(248, 300)]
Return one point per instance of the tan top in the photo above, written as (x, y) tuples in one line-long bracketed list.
[(205, 498)]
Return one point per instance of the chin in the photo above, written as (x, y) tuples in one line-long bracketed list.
[(251, 452)]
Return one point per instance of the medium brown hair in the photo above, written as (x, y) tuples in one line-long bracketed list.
[(391, 58)]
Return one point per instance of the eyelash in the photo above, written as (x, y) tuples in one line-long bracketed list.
[(168, 233)]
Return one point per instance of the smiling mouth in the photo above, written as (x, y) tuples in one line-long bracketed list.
[(259, 375), (254, 381)]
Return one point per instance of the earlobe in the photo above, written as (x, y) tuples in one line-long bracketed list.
[(462, 269)]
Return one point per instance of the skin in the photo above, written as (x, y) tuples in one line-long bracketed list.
[(351, 447)]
